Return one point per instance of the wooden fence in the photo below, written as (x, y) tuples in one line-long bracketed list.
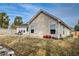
[(75, 34)]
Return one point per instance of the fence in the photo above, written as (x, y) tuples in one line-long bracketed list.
[(75, 34)]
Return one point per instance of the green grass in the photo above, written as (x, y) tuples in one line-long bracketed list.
[(42, 47)]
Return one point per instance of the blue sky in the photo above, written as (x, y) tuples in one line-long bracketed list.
[(69, 13)]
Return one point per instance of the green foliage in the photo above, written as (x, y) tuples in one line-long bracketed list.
[(17, 22), (76, 27), (4, 20)]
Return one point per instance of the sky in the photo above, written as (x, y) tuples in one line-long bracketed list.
[(69, 13)]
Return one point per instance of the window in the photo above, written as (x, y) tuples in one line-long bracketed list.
[(52, 26), (32, 30), (52, 31)]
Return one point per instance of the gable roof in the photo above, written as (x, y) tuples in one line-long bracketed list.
[(50, 15)]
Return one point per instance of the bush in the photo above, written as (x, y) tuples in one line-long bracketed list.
[(47, 36)]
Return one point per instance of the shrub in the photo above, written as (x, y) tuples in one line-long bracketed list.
[(47, 36)]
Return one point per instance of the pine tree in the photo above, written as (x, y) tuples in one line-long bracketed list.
[(17, 22), (77, 27), (4, 20)]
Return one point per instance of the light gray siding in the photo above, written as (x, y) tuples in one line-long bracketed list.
[(63, 31), (42, 25)]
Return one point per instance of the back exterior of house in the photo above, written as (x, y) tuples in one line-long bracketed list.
[(44, 24)]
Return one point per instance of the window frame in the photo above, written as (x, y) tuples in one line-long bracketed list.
[(52, 28)]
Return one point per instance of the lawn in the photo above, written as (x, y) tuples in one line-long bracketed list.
[(24, 46)]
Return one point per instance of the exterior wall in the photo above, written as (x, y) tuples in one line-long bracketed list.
[(63, 31), (41, 25), (67, 32), (22, 29)]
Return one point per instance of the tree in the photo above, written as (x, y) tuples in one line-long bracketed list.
[(4, 20), (76, 27), (17, 22)]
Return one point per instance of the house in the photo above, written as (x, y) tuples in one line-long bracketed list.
[(22, 29), (44, 23)]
